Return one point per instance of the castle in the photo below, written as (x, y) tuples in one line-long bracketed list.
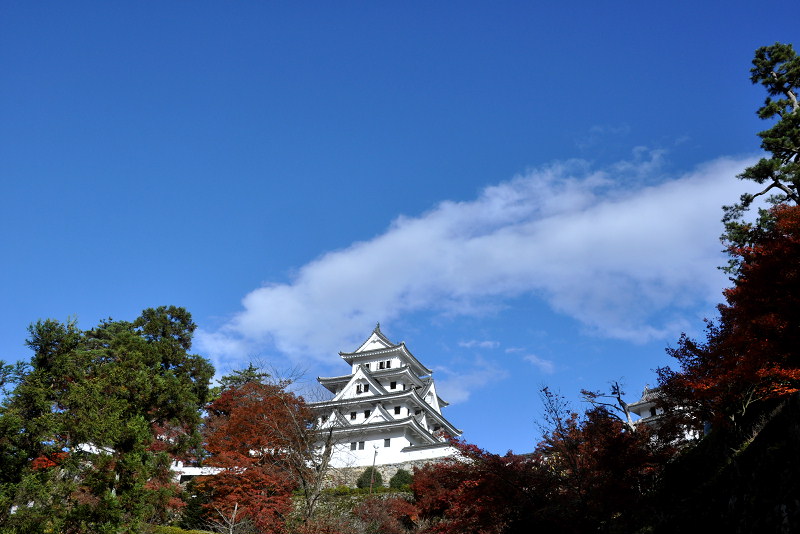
[(386, 411)]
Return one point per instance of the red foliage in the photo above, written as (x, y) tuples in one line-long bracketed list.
[(588, 472), (41, 463), (483, 493), (331, 523), (752, 353), (250, 432), (599, 467), (48, 460), (393, 515)]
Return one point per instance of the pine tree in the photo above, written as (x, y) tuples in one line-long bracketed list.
[(777, 68)]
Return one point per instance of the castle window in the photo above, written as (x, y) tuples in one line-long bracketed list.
[(652, 412), (361, 445), (436, 428), (393, 385), (366, 388), (352, 415), (366, 413), (389, 364), (353, 446), (381, 365), (397, 410), (386, 442), (366, 366), (358, 388), (417, 412)]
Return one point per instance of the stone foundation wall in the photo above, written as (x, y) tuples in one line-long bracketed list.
[(347, 476)]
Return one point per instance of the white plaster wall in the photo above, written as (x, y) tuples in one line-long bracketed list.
[(374, 365), (343, 456)]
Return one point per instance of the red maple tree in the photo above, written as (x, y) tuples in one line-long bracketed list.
[(251, 433), (481, 492), (588, 473), (751, 352)]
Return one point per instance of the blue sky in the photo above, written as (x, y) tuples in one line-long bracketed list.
[(525, 194)]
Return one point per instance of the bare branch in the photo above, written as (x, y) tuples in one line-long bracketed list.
[(618, 408), (791, 194)]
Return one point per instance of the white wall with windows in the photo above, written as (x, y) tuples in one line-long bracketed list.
[(357, 451)]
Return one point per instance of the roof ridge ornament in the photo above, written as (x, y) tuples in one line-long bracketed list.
[(377, 329)]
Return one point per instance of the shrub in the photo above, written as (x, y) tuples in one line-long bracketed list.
[(370, 474), (158, 529), (401, 480), (393, 515), (346, 491)]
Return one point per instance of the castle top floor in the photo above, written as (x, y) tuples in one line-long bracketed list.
[(378, 353)]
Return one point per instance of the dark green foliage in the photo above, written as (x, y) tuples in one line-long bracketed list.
[(370, 477), (89, 432), (401, 479), (10, 374), (777, 68), (195, 499), (239, 378)]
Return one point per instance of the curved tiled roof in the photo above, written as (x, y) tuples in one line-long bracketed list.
[(407, 422), (648, 395), (412, 393), (413, 362), (333, 381)]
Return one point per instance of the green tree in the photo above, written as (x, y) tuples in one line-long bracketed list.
[(88, 434), (401, 479), (777, 68), (238, 378), (370, 477)]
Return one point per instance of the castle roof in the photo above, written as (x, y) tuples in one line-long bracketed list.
[(649, 396), (377, 345), (411, 395), (410, 423), (333, 383)]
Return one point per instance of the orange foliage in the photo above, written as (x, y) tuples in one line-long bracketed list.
[(47, 461)]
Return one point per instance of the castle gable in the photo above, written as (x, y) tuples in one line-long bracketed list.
[(376, 341), (361, 385)]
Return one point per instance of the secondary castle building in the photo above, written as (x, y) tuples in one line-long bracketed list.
[(386, 410)]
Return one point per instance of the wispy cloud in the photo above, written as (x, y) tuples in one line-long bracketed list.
[(602, 133), (545, 366), (474, 343), (624, 258), (457, 386)]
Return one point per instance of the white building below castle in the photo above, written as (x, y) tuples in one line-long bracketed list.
[(386, 411)]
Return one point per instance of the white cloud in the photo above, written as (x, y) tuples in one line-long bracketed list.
[(625, 259), (545, 366), (457, 386), (474, 343)]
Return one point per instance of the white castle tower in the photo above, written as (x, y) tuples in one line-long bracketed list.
[(386, 411)]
